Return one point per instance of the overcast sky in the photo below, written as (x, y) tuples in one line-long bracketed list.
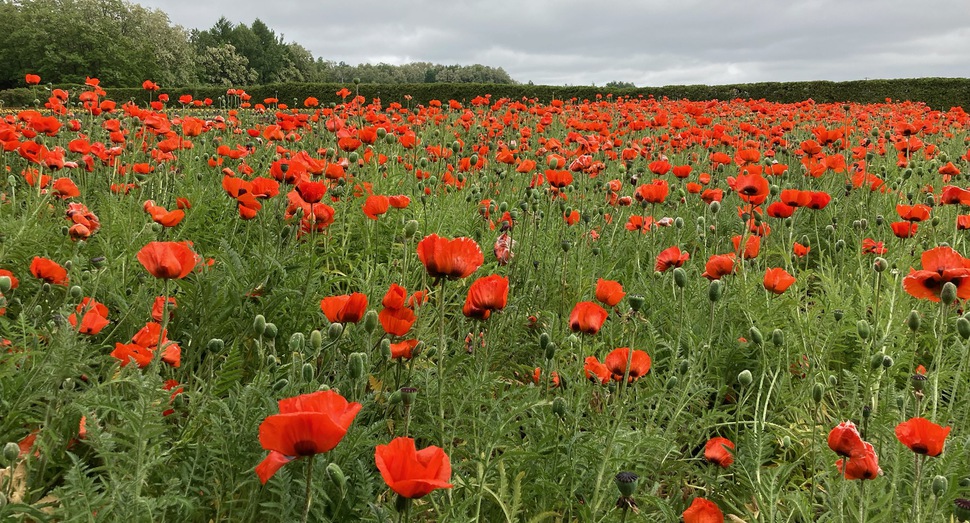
[(647, 42)]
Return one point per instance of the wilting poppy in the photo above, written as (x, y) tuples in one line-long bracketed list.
[(617, 359), (718, 451), (412, 473), (940, 265), (346, 308), (703, 511), (609, 292), (168, 260), (671, 257), (307, 425), (485, 295), (922, 436), (777, 280), (587, 317), (456, 258), (49, 271)]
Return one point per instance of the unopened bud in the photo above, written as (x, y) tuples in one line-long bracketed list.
[(940, 486), (337, 476), (680, 277), (818, 390), (270, 332), (358, 364), (756, 335), (672, 383), (963, 327), (316, 340), (550, 351), (297, 342), (215, 345), (281, 384), (5, 284), (949, 293), (386, 349), (308, 371), (778, 337), (863, 329), (370, 321), (11, 451), (876, 360), (259, 324), (715, 290), (334, 331), (913, 321), (410, 228), (559, 407), (745, 378), (880, 264)]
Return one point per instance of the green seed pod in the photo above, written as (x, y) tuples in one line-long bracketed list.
[(408, 395), (271, 331), (672, 383), (818, 390), (887, 362), (358, 364), (940, 486), (410, 228), (838, 314), (316, 340), (281, 384), (876, 360), (11, 451), (565, 245), (626, 483), (680, 277), (863, 329), (636, 301), (550, 351), (756, 335), (308, 371), (297, 342), (5, 284), (715, 290), (259, 324), (370, 321), (963, 327), (559, 407), (215, 345), (919, 382), (778, 337), (913, 321), (948, 294), (334, 331)]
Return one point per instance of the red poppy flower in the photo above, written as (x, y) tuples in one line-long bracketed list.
[(904, 229), (863, 464), (780, 210), (346, 308), (456, 258), (752, 188), (703, 511), (485, 295), (922, 436), (777, 280), (412, 473), (796, 198), (719, 265), (616, 363), (32, 79), (752, 246), (49, 271), (653, 192), (913, 213), (844, 439), (94, 316), (671, 257), (159, 305), (718, 451), (963, 222), (596, 371), (403, 349), (800, 250), (307, 425), (587, 317), (940, 265), (609, 292), (376, 205), (820, 199), (168, 260)]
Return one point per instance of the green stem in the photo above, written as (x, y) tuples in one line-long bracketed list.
[(309, 489), (442, 354)]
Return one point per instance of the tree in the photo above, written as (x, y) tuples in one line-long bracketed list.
[(619, 85), (224, 66)]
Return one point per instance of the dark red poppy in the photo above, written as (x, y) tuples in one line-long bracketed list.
[(346, 308), (49, 271), (456, 258), (703, 511), (609, 292), (168, 260), (940, 265), (616, 362), (486, 295), (922, 436), (587, 317), (307, 425), (412, 473), (718, 451)]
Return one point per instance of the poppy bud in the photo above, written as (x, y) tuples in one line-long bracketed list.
[(778, 337), (358, 362), (866, 411), (281, 384), (680, 277), (307, 372), (714, 206), (11, 451), (316, 340), (863, 329), (157, 227), (672, 383), (370, 321), (880, 219), (271, 361), (818, 390), (683, 367), (839, 245), (876, 360), (337, 476), (559, 407), (838, 314), (544, 340), (948, 294), (679, 222), (215, 345), (271, 331), (473, 161), (636, 301), (259, 324), (626, 483), (297, 342), (745, 378), (46, 287), (963, 327), (550, 351), (386, 349), (833, 381), (408, 395), (887, 362), (5, 284), (756, 335), (334, 331), (715, 290), (913, 321), (940, 486), (965, 482)]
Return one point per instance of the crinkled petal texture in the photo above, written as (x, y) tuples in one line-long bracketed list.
[(703, 511), (412, 473), (718, 451), (609, 292), (844, 439), (270, 465), (587, 317), (922, 436), (616, 362), (442, 257), (168, 260)]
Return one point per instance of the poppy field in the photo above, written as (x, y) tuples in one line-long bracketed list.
[(615, 309)]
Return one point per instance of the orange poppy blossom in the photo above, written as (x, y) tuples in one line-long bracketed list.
[(670, 258), (93, 314), (485, 295), (719, 265), (410, 472), (453, 259), (403, 349), (653, 192), (752, 246), (800, 250), (345, 308), (940, 265), (703, 511), (587, 317), (904, 229), (49, 271), (616, 363), (395, 318), (307, 425), (870, 246), (777, 280), (717, 450), (168, 260), (922, 436), (609, 292), (143, 345)]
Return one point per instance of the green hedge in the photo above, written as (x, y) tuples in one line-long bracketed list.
[(938, 93)]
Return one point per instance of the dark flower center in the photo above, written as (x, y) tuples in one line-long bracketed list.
[(305, 448)]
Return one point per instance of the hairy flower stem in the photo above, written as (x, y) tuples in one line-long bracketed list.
[(309, 489), (442, 354)]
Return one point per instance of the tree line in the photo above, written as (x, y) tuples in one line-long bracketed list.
[(123, 43)]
